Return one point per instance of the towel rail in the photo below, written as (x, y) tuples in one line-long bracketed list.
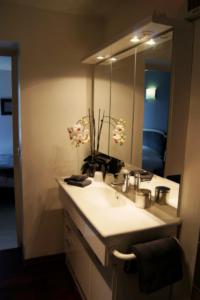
[(131, 256), (123, 256)]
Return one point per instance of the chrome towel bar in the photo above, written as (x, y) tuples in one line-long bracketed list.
[(123, 256), (131, 256)]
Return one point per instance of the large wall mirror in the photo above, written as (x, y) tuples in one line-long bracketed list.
[(135, 85)]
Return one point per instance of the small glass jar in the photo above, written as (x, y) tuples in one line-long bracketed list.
[(109, 178), (142, 198)]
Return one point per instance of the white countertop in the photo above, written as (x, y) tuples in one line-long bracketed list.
[(110, 221)]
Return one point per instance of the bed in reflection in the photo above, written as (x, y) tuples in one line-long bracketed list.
[(153, 151), (6, 170)]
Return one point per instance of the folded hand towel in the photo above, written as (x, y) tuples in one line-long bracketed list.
[(159, 263), (78, 178), (78, 183)]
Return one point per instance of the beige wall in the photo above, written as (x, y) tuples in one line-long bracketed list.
[(55, 92), (190, 202), (181, 71)]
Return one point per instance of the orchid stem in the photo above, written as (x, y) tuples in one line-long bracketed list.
[(100, 130)]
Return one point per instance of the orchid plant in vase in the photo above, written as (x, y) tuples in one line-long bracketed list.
[(85, 130)]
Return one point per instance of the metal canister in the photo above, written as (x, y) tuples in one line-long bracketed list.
[(142, 198), (161, 194)]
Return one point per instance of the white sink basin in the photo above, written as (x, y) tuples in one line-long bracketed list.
[(110, 212), (104, 196)]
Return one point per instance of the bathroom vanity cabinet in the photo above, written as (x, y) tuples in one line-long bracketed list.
[(93, 231), (84, 253), (90, 282)]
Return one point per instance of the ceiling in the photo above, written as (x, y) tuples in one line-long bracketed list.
[(98, 8)]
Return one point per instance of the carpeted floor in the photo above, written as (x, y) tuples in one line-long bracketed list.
[(46, 279), (8, 236)]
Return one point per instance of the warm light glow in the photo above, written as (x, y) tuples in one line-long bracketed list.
[(135, 39), (151, 42), (100, 57), (113, 59), (151, 93)]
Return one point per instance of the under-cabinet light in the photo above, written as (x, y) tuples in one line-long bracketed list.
[(151, 42), (135, 39), (100, 57)]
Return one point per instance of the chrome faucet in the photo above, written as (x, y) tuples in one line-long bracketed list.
[(137, 180), (126, 183)]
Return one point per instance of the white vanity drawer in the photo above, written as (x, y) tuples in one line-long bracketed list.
[(89, 280), (95, 243)]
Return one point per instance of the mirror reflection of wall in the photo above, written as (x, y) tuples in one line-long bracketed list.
[(122, 102), (102, 101)]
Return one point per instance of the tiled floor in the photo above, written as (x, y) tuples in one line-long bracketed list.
[(8, 236), (48, 279)]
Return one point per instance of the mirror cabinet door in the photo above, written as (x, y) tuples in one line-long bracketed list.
[(122, 104), (102, 76), (152, 104)]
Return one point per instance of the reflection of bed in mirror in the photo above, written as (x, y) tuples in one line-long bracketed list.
[(153, 151), (6, 170)]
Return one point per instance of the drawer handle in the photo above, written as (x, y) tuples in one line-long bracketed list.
[(123, 256)]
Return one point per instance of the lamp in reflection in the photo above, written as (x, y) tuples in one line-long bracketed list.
[(151, 93)]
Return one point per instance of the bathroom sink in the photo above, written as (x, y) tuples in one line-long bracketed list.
[(106, 197), (110, 212)]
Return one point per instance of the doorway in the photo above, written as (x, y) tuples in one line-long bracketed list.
[(8, 233), (11, 217)]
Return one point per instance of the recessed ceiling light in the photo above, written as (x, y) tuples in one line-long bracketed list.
[(100, 57), (151, 42), (135, 39), (113, 59)]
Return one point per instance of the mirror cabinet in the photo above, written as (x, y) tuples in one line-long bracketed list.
[(139, 78)]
